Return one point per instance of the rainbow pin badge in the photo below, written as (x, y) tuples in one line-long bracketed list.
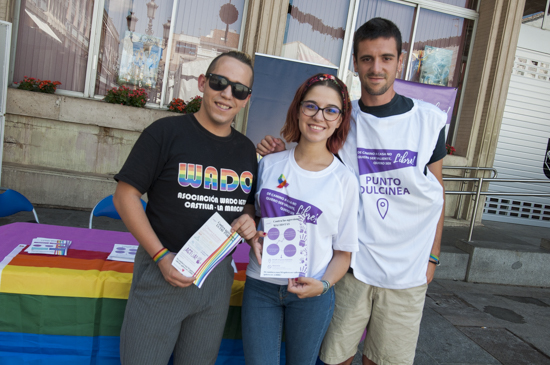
[(282, 182)]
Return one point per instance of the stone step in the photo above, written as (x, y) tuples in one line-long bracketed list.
[(506, 263), (454, 263)]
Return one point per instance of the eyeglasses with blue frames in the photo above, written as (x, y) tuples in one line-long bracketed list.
[(330, 113), (220, 83)]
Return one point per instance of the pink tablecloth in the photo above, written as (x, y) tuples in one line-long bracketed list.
[(83, 238)]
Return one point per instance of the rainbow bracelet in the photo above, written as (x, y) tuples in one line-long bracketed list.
[(434, 257), (160, 255)]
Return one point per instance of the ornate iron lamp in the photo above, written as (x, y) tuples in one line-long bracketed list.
[(166, 32), (131, 19), (151, 8)]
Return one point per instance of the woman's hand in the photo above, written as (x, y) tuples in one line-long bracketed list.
[(305, 287), (257, 245)]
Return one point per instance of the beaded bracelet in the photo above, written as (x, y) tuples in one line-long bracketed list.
[(160, 255)]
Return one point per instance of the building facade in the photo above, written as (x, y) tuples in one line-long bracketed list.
[(63, 149)]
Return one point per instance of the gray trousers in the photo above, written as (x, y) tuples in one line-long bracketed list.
[(161, 319)]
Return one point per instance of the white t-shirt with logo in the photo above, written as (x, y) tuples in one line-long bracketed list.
[(327, 200), (400, 206)]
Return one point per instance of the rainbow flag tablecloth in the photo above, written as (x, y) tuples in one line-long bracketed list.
[(69, 309)]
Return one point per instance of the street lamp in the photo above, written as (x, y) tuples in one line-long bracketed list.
[(131, 19), (229, 15), (166, 32), (162, 62), (151, 8)]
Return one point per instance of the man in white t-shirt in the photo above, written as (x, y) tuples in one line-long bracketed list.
[(395, 146)]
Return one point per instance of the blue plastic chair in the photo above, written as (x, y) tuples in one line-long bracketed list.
[(106, 208), (12, 202)]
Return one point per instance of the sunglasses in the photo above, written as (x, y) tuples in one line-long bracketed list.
[(220, 83)]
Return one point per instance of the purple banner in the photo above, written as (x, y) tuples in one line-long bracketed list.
[(276, 204), (372, 161), (441, 96)]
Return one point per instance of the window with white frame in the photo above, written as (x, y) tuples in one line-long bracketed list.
[(442, 28), (204, 29), (315, 30), (468, 4), (53, 40), (92, 46)]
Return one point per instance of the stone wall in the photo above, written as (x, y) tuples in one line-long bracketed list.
[(63, 151)]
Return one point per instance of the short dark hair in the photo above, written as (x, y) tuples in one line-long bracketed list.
[(291, 129), (374, 29), (239, 56)]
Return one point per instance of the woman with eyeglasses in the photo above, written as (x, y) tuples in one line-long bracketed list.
[(310, 182)]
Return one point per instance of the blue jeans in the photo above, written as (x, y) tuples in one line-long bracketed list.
[(266, 307)]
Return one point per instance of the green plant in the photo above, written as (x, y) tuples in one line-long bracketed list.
[(125, 96), (450, 149), (193, 105), (177, 105), (42, 86)]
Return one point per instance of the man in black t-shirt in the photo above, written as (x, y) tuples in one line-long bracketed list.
[(190, 167)]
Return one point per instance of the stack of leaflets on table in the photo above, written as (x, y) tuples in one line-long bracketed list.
[(206, 249), (49, 246), (126, 253)]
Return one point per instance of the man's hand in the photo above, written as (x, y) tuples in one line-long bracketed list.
[(436, 168), (305, 287), (270, 145), (171, 274), (128, 205), (430, 272), (244, 226)]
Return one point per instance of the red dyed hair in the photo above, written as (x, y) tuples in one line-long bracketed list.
[(291, 130)]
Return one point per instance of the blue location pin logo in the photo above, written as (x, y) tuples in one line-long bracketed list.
[(382, 204)]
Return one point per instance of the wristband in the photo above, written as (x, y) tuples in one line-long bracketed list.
[(326, 286), (436, 263), (160, 255)]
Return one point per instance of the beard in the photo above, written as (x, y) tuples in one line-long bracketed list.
[(380, 91)]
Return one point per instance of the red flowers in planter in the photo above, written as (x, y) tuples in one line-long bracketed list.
[(179, 106), (126, 96), (34, 84), (450, 149)]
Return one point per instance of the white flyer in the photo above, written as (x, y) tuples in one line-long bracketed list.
[(285, 247), (206, 248), (49, 246), (126, 253)]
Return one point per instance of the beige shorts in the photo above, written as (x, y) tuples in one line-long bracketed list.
[(392, 316)]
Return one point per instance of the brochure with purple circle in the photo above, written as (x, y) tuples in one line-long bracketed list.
[(126, 253), (49, 246), (285, 247)]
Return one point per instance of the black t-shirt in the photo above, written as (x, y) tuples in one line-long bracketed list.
[(400, 104), (188, 174)]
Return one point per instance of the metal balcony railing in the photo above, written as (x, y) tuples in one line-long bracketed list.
[(479, 184)]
